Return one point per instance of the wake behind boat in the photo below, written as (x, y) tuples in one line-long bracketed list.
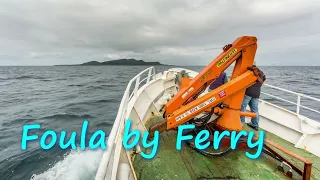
[(152, 100)]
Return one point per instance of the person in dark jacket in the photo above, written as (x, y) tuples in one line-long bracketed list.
[(219, 81), (251, 98)]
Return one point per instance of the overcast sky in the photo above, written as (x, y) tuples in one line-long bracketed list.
[(181, 32)]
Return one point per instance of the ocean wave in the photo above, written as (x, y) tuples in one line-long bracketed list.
[(18, 121), (105, 123), (75, 85), (22, 77), (76, 165), (94, 87), (68, 116), (9, 170), (69, 165), (101, 81), (61, 79), (46, 80), (292, 81), (106, 101), (17, 163), (29, 77), (91, 102), (74, 75), (109, 85)]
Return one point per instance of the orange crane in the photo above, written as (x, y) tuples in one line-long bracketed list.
[(185, 105)]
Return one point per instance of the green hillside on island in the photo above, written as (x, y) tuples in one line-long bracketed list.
[(131, 62)]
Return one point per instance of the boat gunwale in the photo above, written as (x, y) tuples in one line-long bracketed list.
[(113, 136)]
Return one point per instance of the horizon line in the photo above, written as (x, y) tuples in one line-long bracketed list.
[(151, 65)]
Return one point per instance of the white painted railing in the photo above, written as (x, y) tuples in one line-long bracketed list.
[(298, 103), (121, 117)]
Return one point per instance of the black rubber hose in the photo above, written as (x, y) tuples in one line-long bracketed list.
[(209, 154), (206, 153)]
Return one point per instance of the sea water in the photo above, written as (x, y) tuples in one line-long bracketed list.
[(61, 98)]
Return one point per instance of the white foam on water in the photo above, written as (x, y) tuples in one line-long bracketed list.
[(76, 165)]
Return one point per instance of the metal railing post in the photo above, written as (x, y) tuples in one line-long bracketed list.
[(149, 75), (136, 86), (298, 104)]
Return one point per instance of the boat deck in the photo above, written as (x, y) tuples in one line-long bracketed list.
[(186, 164)]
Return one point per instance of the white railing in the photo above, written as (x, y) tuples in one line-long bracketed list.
[(121, 116), (298, 103)]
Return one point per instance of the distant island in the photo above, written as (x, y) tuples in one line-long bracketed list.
[(128, 62)]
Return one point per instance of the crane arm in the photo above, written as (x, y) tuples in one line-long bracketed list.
[(231, 53), (211, 99), (185, 105)]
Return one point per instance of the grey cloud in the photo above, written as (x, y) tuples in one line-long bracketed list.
[(47, 32)]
